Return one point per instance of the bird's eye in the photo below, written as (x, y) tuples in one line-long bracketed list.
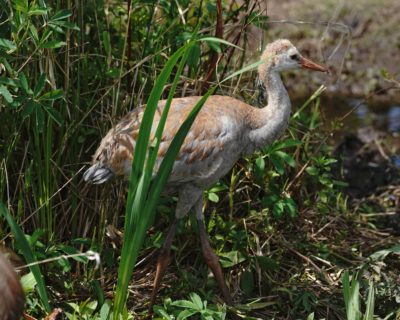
[(295, 57)]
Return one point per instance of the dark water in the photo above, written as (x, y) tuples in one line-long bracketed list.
[(381, 116)]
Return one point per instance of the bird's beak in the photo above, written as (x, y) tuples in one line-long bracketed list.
[(308, 64)]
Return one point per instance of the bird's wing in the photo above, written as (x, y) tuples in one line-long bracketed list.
[(215, 127), (214, 134)]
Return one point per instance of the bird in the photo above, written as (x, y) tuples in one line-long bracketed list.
[(224, 130), (12, 298)]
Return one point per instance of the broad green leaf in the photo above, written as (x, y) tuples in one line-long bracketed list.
[(61, 15), (197, 300), (232, 258), (53, 44), (370, 305), (185, 304), (266, 263), (52, 95), (39, 85), (58, 25), (24, 83), (213, 197), (381, 254), (7, 44), (21, 5), (55, 115), (186, 314), (287, 158), (6, 94), (35, 11), (160, 311), (106, 42), (286, 144), (277, 162), (310, 316), (39, 118), (105, 310), (247, 282), (8, 81), (312, 171), (28, 282), (28, 108)]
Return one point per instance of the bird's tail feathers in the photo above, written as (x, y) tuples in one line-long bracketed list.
[(97, 174)]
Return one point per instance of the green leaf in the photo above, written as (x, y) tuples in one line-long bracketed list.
[(310, 316), (312, 171), (29, 107), (196, 300), (39, 118), (105, 310), (185, 304), (266, 263), (6, 94), (7, 44), (278, 209), (370, 305), (286, 144), (194, 56), (63, 24), (213, 197), (55, 115), (259, 170), (53, 44), (39, 85), (247, 282), (287, 158), (28, 282), (231, 258), (106, 42), (21, 5), (186, 314), (382, 254), (61, 15), (8, 82), (52, 95), (277, 162), (36, 11), (24, 83)]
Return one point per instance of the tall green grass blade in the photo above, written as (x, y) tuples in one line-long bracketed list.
[(142, 142), (28, 254), (351, 294), (139, 183), (369, 312)]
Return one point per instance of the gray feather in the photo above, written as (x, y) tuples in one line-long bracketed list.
[(97, 174)]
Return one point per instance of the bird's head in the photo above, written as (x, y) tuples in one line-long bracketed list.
[(282, 55)]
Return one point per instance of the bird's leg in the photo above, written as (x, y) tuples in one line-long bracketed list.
[(209, 255), (163, 260)]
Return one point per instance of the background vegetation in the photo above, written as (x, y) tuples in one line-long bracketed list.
[(287, 233)]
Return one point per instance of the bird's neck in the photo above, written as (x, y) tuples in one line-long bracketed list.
[(268, 123)]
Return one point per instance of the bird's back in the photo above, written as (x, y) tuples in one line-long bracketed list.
[(12, 297), (213, 144)]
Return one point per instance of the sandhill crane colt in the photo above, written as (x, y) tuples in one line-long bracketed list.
[(12, 298), (225, 130)]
